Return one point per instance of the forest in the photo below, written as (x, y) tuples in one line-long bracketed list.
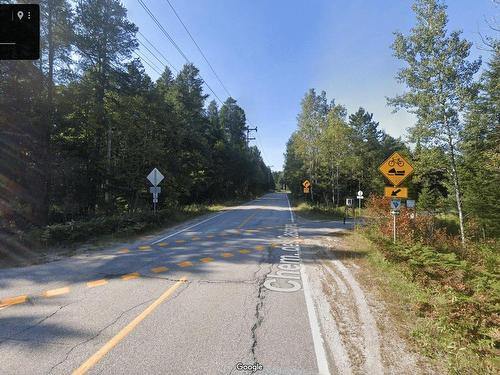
[(454, 145), (441, 261), (81, 127)]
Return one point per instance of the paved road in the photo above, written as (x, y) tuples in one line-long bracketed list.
[(197, 299)]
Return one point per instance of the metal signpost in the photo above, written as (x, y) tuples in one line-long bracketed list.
[(395, 207), (359, 198), (155, 177), (396, 169), (348, 203)]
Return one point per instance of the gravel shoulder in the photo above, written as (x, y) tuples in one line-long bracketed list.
[(365, 329)]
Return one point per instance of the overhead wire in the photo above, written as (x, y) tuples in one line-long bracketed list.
[(199, 48), (172, 41), (151, 65), (159, 53)]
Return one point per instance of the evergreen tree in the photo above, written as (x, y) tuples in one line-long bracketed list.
[(104, 38)]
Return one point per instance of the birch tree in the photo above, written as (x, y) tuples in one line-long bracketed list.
[(439, 79)]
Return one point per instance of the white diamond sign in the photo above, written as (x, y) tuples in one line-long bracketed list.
[(155, 177)]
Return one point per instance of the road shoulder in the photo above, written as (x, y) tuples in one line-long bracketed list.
[(366, 328)]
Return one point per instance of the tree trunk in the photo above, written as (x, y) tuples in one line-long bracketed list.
[(454, 175), (43, 213), (458, 194), (338, 188)]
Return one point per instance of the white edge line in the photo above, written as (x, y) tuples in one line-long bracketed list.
[(318, 342), (315, 330), (185, 229)]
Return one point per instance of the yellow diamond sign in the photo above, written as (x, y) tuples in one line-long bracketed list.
[(396, 169), (306, 184)]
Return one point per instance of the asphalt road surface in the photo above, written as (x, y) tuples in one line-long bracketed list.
[(207, 297)]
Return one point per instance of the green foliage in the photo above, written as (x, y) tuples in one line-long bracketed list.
[(439, 81), (119, 225), (336, 155), (80, 148), (455, 301)]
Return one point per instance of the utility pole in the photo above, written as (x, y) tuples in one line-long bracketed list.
[(248, 130)]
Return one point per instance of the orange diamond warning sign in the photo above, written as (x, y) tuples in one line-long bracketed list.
[(396, 169)]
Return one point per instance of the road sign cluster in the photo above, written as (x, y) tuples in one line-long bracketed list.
[(396, 169)]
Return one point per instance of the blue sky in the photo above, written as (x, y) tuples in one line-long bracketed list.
[(268, 53)]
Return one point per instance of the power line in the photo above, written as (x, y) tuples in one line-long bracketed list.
[(162, 29), (147, 59), (199, 49), (151, 53), (152, 45), (151, 65), (262, 149)]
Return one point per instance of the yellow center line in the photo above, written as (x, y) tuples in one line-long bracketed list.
[(123, 251), (163, 244), (145, 247), (159, 269), (244, 251), (130, 276), (259, 247), (186, 263), (94, 359), (227, 255), (247, 220), (206, 260), (93, 284), (180, 241), (56, 292), (12, 301)]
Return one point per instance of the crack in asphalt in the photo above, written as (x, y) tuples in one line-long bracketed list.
[(39, 322), (107, 326), (261, 295)]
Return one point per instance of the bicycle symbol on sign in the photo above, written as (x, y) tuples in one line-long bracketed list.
[(397, 161)]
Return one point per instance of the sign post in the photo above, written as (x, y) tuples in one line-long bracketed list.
[(395, 207), (359, 197), (155, 177), (348, 203)]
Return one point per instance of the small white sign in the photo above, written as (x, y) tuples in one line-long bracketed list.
[(360, 193), (155, 177), (410, 203), (348, 202)]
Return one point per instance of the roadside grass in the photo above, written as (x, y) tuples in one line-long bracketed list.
[(311, 211), (450, 305)]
